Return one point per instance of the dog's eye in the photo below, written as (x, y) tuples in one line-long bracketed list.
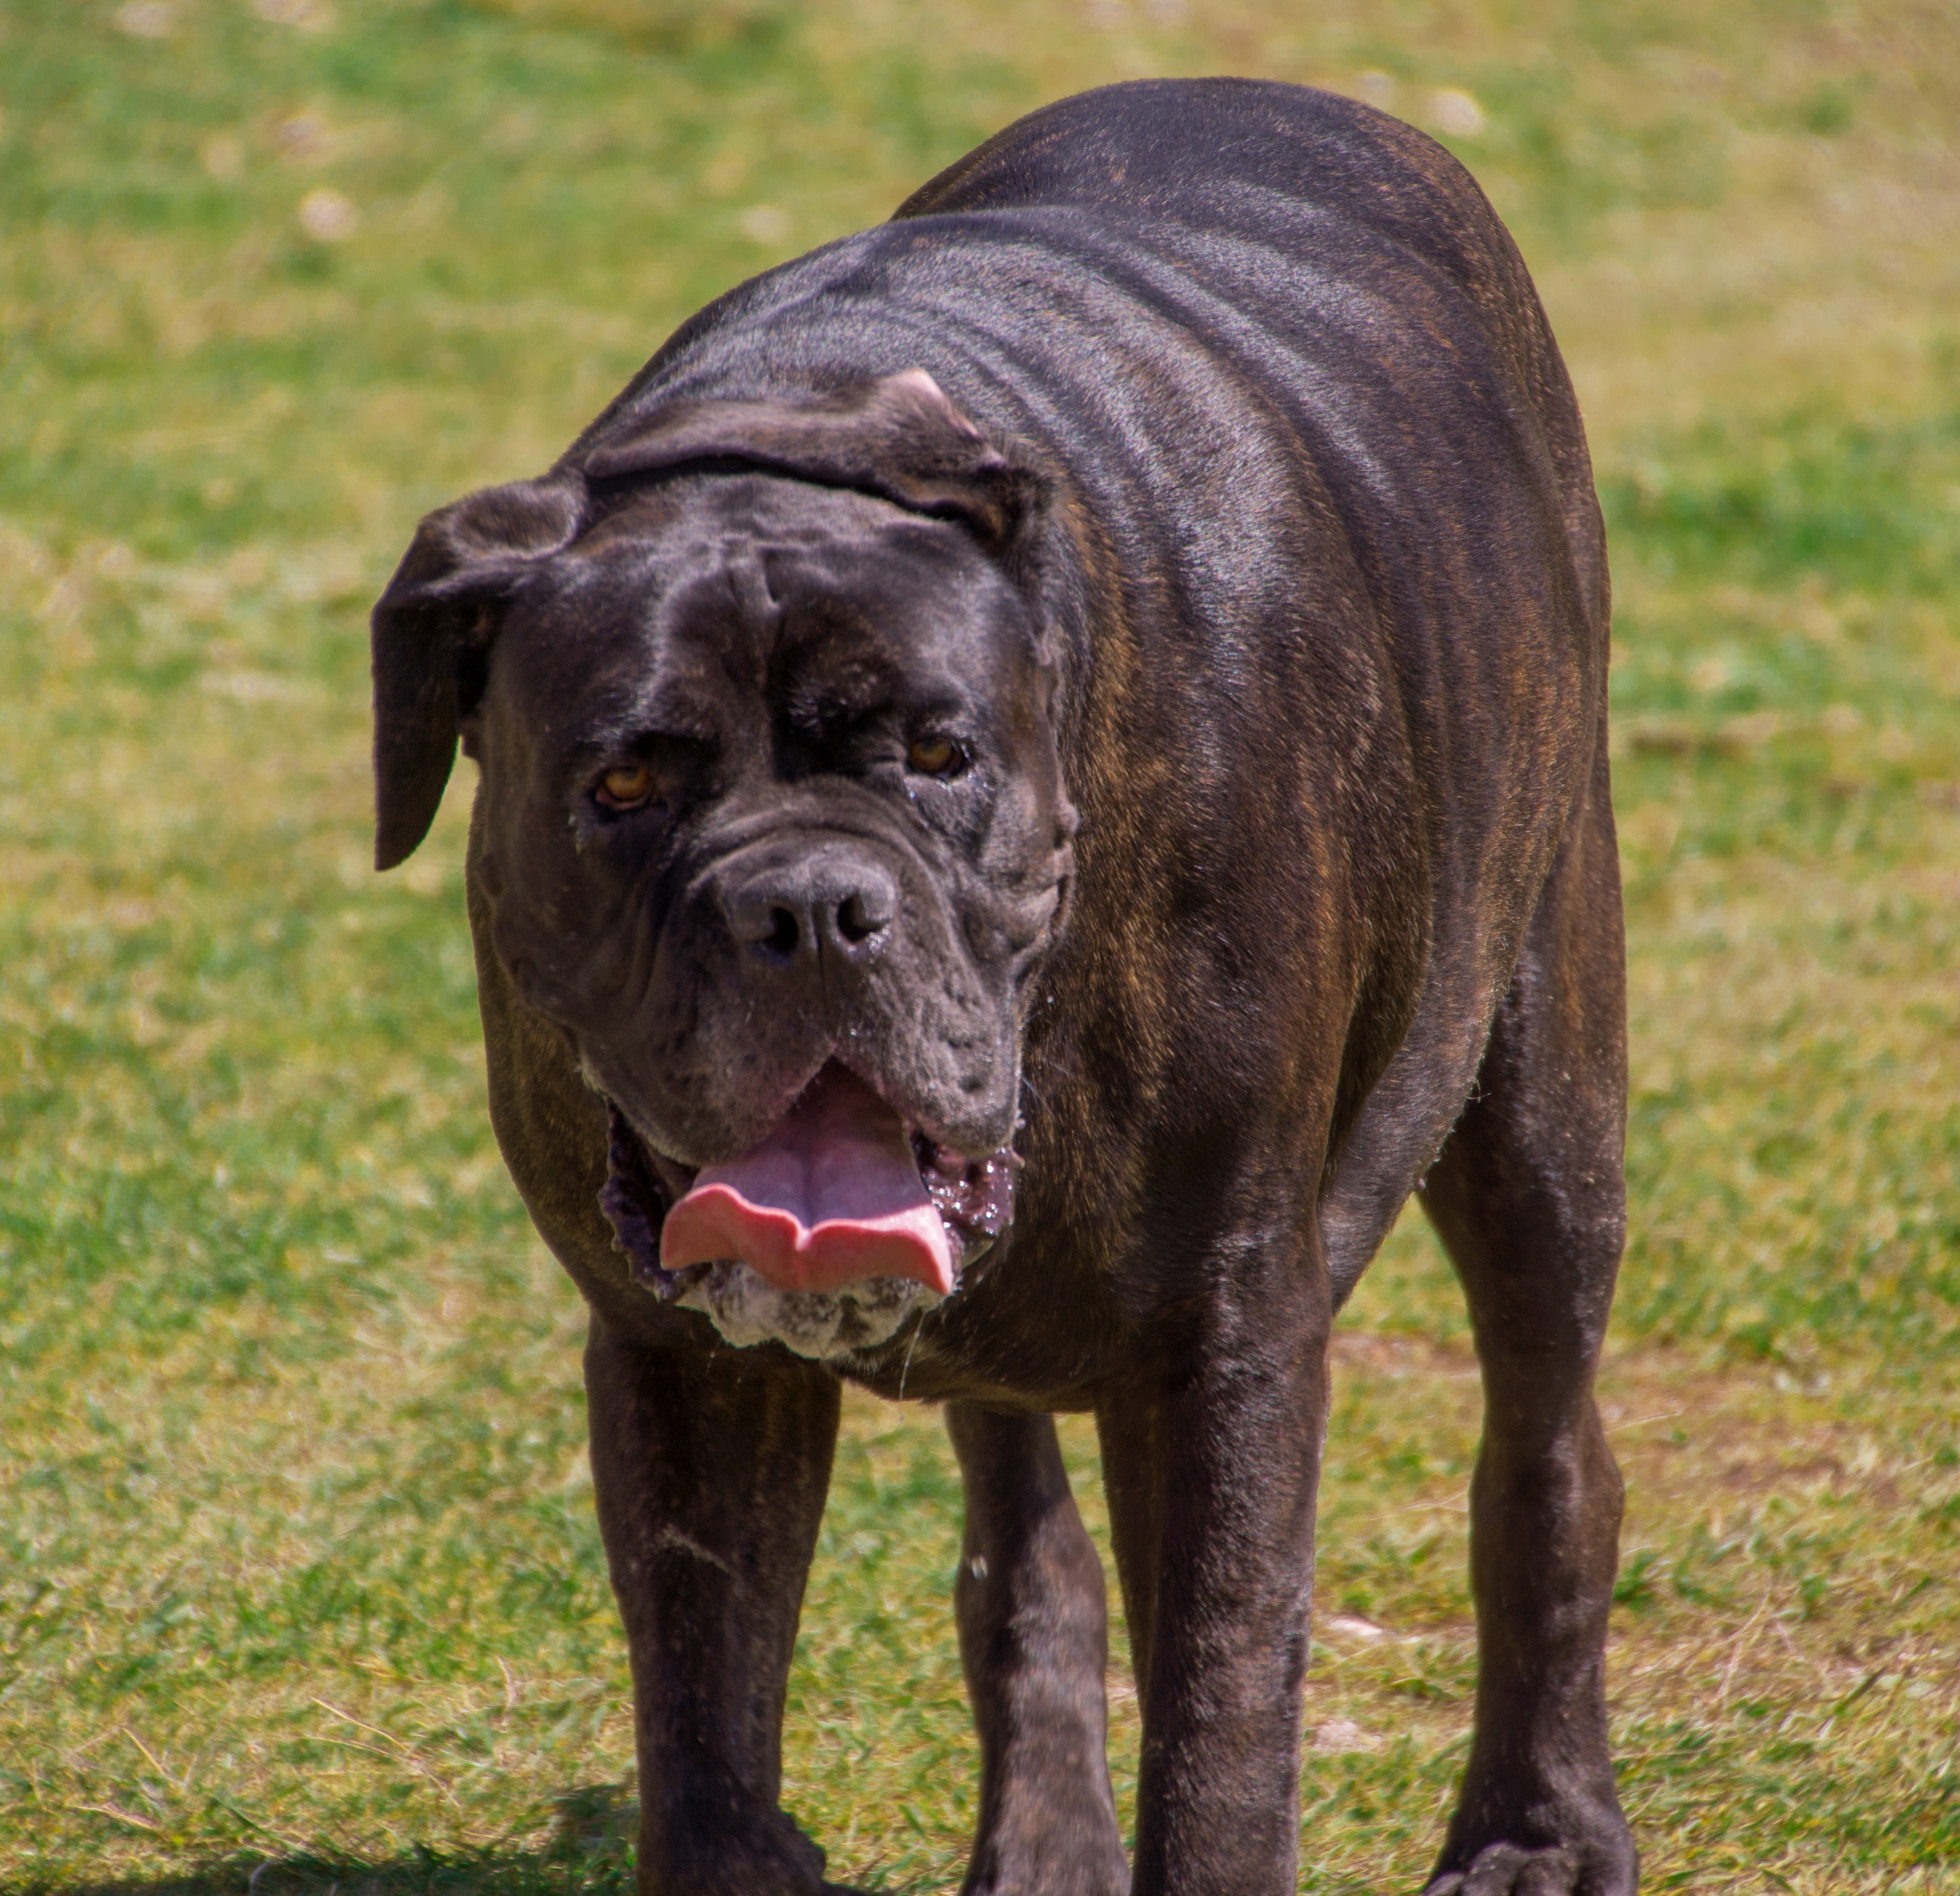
[(936, 757), (625, 786)]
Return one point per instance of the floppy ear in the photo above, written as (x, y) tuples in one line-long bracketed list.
[(431, 631), (900, 438)]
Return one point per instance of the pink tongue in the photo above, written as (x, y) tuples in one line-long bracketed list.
[(832, 1195)]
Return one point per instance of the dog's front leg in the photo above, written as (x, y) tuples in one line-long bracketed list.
[(711, 1467), (1034, 1638), (1211, 1469)]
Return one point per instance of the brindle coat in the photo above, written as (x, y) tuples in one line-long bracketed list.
[(1251, 548)]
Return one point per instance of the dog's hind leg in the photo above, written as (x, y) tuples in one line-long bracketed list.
[(1034, 1639), (1529, 1195), (710, 1468)]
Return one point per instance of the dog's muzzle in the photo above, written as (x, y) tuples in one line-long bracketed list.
[(827, 1234)]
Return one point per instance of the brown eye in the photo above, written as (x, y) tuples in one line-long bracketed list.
[(935, 757), (625, 786)]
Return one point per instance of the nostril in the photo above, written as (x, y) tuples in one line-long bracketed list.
[(789, 914), (858, 921)]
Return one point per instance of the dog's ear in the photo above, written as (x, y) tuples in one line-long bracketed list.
[(900, 438), (432, 631)]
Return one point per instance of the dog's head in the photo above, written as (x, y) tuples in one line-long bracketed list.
[(774, 823)]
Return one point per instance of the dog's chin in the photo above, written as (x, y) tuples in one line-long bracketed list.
[(818, 1323)]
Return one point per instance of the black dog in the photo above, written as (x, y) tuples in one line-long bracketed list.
[(1043, 767)]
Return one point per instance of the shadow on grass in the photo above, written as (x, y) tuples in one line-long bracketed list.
[(587, 1854)]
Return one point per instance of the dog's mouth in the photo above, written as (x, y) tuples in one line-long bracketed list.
[(840, 1190)]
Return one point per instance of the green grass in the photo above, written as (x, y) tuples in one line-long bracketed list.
[(298, 1574)]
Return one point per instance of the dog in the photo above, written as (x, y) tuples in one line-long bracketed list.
[(1042, 768)]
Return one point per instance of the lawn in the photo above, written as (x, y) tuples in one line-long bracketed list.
[(300, 1585)]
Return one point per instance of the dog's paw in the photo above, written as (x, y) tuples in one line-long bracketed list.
[(1578, 1846), (1504, 1869)]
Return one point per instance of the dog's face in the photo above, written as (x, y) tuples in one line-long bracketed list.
[(773, 827), (770, 780)]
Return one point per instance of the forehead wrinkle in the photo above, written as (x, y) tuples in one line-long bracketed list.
[(829, 609), (663, 707), (608, 651), (829, 659), (714, 615), (745, 571)]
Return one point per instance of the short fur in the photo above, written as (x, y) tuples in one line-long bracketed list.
[(1246, 521)]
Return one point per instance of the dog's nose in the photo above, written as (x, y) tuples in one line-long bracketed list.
[(832, 902)]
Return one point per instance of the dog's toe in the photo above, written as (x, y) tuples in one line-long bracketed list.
[(1505, 1869)]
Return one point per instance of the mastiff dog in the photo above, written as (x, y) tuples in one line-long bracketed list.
[(1042, 768)]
